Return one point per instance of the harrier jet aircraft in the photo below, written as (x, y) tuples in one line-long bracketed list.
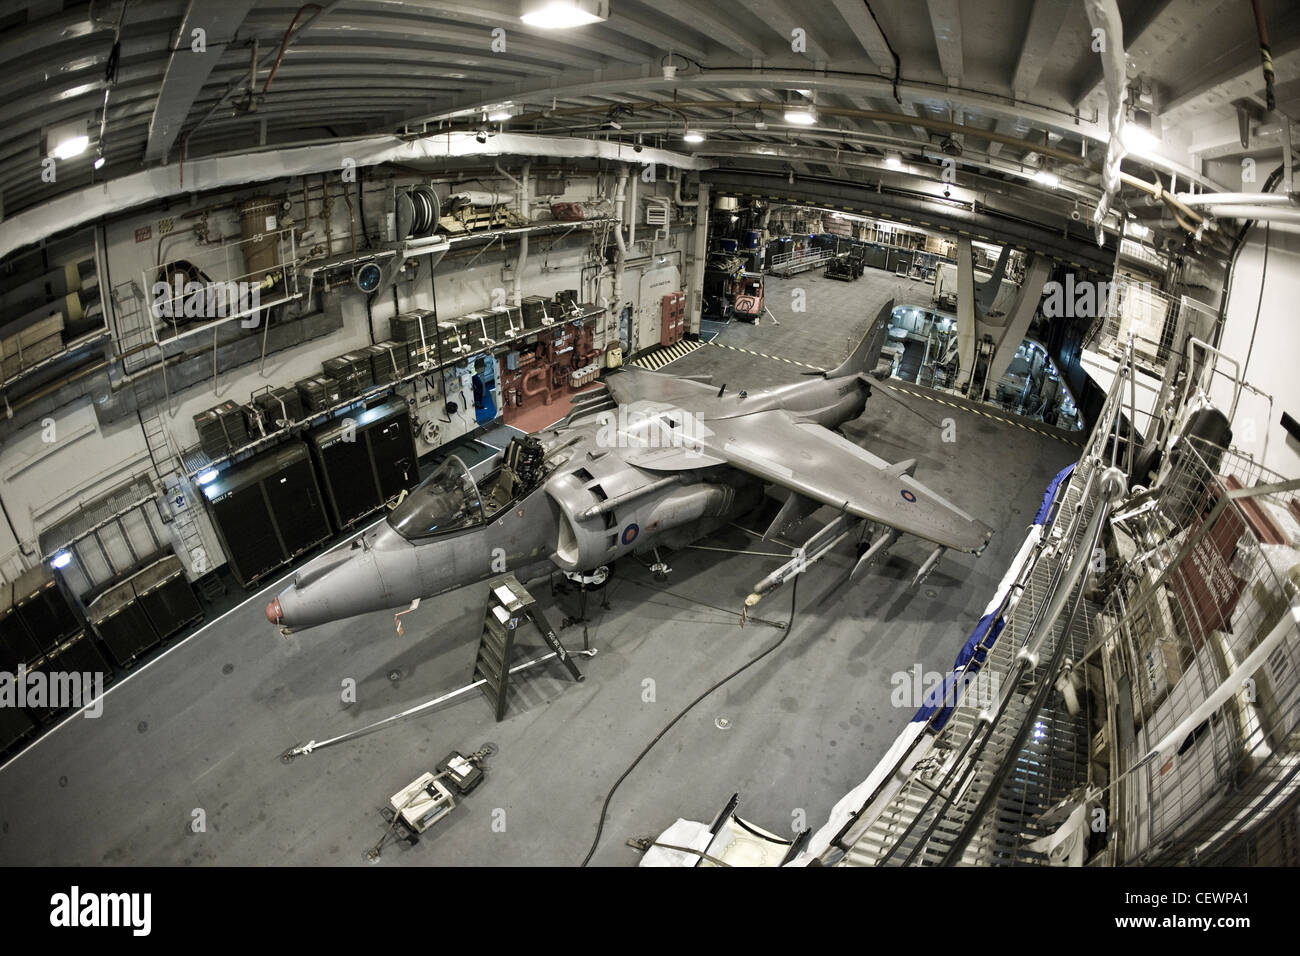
[(654, 460)]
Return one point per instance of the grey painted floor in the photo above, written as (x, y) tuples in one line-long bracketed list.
[(202, 727)]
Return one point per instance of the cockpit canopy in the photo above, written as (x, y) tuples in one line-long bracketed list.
[(448, 500)]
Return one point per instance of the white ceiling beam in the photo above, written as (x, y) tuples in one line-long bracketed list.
[(1169, 21), (1242, 79), (854, 13), (474, 40), (988, 104), (777, 16), (700, 19), (112, 197), (862, 103), (640, 30), (583, 38), (1044, 27), (945, 21), (188, 69)]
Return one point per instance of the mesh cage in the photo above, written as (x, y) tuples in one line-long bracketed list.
[(1202, 651), (1184, 647)]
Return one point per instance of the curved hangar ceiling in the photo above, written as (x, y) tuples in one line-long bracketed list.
[(1015, 99)]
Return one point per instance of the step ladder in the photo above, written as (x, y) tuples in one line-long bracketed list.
[(138, 351), (509, 606)]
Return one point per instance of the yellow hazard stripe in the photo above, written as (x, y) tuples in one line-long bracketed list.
[(774, 358), (665, 355), (980, 411)]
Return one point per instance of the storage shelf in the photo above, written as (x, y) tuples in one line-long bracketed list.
[(417, 247), (196, 461), (75, 345)]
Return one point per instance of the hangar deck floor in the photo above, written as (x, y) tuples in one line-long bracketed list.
[(202, 726)]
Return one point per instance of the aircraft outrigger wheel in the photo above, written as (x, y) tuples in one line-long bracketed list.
[(660, 568)]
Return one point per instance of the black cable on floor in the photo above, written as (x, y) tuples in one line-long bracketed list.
[(604, 810)]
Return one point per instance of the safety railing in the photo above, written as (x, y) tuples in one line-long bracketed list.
[(786, 264), (985, 787), (1201, 645)]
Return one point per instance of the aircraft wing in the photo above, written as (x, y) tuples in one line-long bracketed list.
[(815, 462), (633, 384)]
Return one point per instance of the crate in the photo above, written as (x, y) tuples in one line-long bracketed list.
[(18, 356)]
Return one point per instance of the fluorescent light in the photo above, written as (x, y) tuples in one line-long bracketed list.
[(207, 476), (1137, 230), (66, 140), (800, 116), (1047, 178), (99, 161), (563, 14), (70, 147), (693, 136), (62, 559), (893, 161), (1137, 138), (499, 115)]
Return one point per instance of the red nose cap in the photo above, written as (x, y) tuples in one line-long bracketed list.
[(273, 613)]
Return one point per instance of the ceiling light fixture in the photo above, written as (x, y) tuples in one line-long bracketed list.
[(499, 114), (563, 14), (1047, 178), (62, 559), (99, 158), (893, 161), (66, 140), (799, 108), (692, 136), (1138, 132)]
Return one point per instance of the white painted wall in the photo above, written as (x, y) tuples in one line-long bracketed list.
[(41, 482), (1274, 365)]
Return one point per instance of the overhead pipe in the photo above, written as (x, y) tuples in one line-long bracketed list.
[(1216, 199), (521, 193), (620, 191), (540, 390), (677, 193), (620, 257), (1244, 211), (632, 211), (113, 197), (1066, 157)]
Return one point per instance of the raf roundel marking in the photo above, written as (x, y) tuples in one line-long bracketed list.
[(907, 495), (630, 533)]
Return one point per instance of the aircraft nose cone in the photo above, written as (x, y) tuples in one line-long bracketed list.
[(273, 612)]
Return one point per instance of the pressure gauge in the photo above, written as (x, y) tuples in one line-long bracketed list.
[(367, 277)]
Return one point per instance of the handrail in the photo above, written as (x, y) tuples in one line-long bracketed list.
[(1193, 343)]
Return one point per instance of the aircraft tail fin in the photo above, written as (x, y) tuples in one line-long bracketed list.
[(867, 354)]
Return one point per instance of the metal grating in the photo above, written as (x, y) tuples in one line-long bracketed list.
[(1204, 631), (1032, 748), (927, 815)]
